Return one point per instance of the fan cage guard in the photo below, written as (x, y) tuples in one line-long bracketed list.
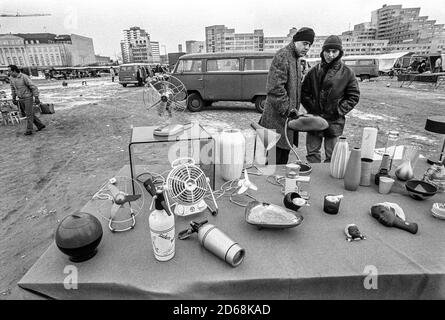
[(104, 207), (186, 184), (173, 89)]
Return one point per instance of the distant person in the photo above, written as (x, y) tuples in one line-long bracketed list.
[(330, 90), (283, 90), (438, 65), (23, 88), (112, 73), (139, 76), (422, 67)]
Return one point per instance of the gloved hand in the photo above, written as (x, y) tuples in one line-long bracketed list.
[(15, 102), (37, 100), (293, 114)]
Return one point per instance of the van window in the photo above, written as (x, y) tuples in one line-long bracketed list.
[(189, 66), (223, 65), (253, 64), (365, 62), (127, 68), (350, 62)]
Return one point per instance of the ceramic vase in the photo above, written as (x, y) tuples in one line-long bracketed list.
[(339, 158), (353, 170), (232, 149)]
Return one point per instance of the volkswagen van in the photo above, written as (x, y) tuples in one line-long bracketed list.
[(364, 67), (224, 76), (128, 73)]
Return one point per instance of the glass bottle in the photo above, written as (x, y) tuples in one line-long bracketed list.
[(391, 146), (384, 168)]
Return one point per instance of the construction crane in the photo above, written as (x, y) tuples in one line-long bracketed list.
[(18, 15)]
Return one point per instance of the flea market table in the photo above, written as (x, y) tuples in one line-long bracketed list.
[(310, 261), (436, 79)]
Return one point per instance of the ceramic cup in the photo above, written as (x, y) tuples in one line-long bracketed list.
[(331, 205), (365, 175), (385, 185)]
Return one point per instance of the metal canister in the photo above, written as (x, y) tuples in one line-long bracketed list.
[(221, 245)]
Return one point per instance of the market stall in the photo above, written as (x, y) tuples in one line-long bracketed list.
[(310, 261)]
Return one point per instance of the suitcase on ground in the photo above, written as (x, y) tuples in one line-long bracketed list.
[(47, 108)]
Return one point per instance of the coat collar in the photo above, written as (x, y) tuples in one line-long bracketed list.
[(293, 49)]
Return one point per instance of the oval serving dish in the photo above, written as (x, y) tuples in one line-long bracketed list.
[(266, 215)]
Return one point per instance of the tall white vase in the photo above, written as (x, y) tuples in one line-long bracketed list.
[(339, 159), (232, 149), (369, 139)]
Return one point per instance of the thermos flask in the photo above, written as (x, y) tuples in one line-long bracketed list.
[(220, 244)]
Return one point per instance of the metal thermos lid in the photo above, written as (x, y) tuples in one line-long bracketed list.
[(235, 255)]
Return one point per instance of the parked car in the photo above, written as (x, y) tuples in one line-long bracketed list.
[(235, 76), (364, 67), (128, 73)]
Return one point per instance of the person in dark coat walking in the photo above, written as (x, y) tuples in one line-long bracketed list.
[(330, 90), (283, 90)]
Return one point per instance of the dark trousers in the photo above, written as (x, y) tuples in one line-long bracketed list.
[(313, 146), (281, 156), (28, 105), (22, 109)]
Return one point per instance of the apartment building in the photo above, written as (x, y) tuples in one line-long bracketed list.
[(155, 52), (391, 29), (405, 28), (135, 46), (193, 46), (219, 38)]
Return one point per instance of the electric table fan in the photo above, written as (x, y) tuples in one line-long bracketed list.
[(187, 187), (168, 95)]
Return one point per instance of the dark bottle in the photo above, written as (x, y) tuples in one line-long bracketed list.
[(384, 168)]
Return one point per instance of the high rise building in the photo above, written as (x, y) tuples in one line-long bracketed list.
[(193, 46), (135, 46), (391, 29), (401, 25), (222, 39), (156, 55)]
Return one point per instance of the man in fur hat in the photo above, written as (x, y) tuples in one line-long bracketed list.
[(283, 90), (330, 90)]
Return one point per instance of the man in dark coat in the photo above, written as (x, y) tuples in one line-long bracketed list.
[(330, 90), (283, 90)]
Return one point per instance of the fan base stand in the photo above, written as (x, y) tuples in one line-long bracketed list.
[(185, 210)]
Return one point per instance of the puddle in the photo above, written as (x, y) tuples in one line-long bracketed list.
[(422, 138), (368, 116)]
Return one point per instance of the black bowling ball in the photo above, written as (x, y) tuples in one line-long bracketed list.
[(78, 236)]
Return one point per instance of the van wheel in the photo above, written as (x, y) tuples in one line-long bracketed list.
[(364, 77), (195, 102), (124, 85), (259, 103)]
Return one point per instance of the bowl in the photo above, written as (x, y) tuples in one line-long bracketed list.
[(420, 190), (78, 236), (288, 201), (305, 169)]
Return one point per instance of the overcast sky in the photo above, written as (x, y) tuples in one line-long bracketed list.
[(172, 22)]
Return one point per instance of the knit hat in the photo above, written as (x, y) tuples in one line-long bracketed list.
[(332, 42), (304, 34)]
